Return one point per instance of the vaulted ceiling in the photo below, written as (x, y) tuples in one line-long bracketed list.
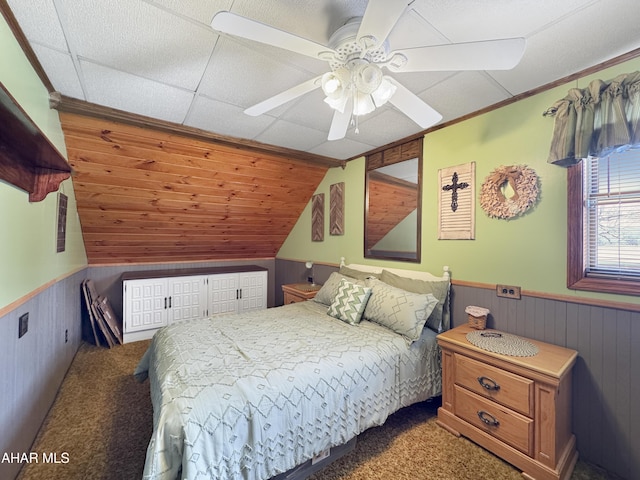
[(162, 59)]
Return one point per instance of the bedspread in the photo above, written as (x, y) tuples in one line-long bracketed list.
[(252, 395)]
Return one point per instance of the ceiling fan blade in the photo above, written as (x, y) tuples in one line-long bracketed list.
[(239, 26), (340, 122), (413, 107), (379, 19), (486, 55), (283, 97)]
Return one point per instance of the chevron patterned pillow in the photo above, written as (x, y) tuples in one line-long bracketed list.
[(349, 302)]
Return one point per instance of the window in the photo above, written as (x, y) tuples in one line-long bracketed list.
[(604, 223)]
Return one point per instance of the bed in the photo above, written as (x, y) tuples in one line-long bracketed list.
[(257, 395)]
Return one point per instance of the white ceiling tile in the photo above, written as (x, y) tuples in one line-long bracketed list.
[(385, 125), (225, 119), (314, 19), (139, 95), (577, 52), (469, 20), (242, 76), (290, 135), (310, 110), (138, 38), (341, 149), (194, 9), (413, 31), (463, 93), (60, 70), (38, 20)]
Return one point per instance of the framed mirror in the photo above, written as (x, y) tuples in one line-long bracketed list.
[(393, 201)]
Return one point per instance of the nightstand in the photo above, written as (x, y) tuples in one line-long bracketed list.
[(519, 408), (299, 292)]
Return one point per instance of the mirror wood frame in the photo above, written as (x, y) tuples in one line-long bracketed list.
[(392, 155)]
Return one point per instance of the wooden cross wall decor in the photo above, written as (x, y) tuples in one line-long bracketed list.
[(454, 187), (456, 202)]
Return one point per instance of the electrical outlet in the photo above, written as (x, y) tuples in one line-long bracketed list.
[(508, 291), (23, 324)]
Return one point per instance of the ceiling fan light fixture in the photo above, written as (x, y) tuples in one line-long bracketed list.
[(362, 104), (338, 103), (366, 76), (384, 92)]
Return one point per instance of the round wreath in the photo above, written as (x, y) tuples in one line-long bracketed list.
[(522, 180)]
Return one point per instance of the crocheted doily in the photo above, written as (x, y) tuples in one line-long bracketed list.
[(503, 343)]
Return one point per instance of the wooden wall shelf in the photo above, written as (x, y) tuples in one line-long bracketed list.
[(27, 159)]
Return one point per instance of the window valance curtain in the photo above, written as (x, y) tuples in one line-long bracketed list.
[(595, 120)]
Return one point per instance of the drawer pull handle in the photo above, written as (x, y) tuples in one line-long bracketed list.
[(488, 419), (489, 384)]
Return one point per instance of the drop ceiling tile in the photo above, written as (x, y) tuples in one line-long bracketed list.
[(290, 135), (469, 20), (463, 93), (342, 149), (225, 119), (194, 9), (138, 38), (243, 76), (314, 20), (418, 82), (384, 126), (412, 30), (38, 20), (578, 52), (310, 110), (60, 70), (130, 93)]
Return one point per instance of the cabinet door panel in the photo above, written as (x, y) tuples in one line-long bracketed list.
[(144, 304), (223, 293), (187, 298), (253, 291)]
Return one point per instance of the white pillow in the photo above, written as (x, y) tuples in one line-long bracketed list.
[(399, 310)]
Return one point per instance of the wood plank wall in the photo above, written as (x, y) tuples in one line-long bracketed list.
[(150, 196)]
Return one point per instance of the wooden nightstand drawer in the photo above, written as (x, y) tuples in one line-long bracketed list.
[(510, 390), (501, 422), (299, 292), (522, 415)]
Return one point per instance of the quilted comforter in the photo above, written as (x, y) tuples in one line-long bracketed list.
[(253, 395)]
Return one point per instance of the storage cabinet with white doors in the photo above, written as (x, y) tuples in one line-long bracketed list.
[(154, 299)]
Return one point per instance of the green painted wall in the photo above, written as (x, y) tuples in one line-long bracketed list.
[(28, 255), (528, 251)]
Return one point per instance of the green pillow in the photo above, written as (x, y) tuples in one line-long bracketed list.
[(350, 302), (399, 310), (438, 288)]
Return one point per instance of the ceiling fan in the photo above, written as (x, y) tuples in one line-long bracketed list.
[(358, 52)]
